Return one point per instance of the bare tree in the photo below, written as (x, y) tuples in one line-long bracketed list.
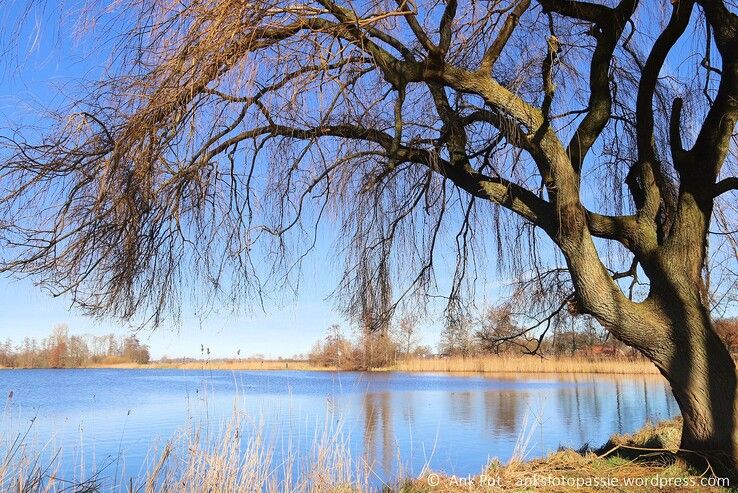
[(590, 145), (408, 335), (499, 330), (456, 337)]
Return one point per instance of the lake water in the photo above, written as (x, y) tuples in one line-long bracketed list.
[(454, 424)]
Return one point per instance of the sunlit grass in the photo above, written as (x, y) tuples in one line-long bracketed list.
[(476, 364), (527, 364)]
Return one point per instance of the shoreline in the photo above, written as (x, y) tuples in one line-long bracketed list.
[(643, 461), (460, 366)]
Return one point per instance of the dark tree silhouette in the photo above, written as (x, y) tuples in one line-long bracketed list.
[(226, 131)]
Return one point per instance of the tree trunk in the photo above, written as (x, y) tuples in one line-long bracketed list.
[(702, 375)]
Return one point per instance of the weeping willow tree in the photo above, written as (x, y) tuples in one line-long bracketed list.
[(589, 146)]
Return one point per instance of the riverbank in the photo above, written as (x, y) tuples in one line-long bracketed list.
[(218, 365), (644, 461), (487, 364), (197, 365)]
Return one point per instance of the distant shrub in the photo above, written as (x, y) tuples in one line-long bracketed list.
[(60, 350)]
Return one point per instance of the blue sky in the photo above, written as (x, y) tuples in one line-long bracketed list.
[(44, 63), (288, 328), (40, 68)]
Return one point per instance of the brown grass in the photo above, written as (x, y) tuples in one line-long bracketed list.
[(527, 364), (642, 462), (482, 364), (218, 365), (195, 461)]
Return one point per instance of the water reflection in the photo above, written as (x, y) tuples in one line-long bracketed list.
[(463, 428), (460, 406), (502, 410), (391, 420), (378, 428)]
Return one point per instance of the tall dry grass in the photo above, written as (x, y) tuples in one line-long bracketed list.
[(217, 365), (477, 364), (526, 364), (226, 462), (24, 470), (236, 458)]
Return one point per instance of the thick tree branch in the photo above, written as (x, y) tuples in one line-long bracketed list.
[(711, 145), (608, 27), (449, 13), (725, 185), (649, 78), (495, 50)]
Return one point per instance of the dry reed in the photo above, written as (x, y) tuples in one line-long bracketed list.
[(227, 462), (219, 365), (237, 458), (526, 364), (479, 364)]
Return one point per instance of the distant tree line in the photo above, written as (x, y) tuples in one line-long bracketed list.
[(62, 350), (498, 331), (369, 349), (501, 331)]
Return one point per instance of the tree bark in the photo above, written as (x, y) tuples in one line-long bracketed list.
[(702, 375), (672, 327)]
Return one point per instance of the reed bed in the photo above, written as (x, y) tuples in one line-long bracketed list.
[(224, 463), (220, 365), (479, 364), (527, 364)]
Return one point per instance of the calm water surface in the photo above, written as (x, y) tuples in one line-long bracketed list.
[(453, 423)]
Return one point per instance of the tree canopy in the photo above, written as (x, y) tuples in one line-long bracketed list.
[(226, 131)]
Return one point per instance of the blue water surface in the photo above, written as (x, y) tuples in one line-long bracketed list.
[(114, 419)]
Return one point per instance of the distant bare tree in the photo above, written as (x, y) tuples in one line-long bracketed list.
[(58, 346), (133, 350), (499, 331), (408, 335), (226, 131), (456, 337)]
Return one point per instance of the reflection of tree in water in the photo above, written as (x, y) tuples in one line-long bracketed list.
[(378, 424), (408, 409), (569, 404), (503, 410), (460, 406), (619, 405), (669, 401), (646, 403), (596, 404), (581, 404), (564, 405), (578, 408)]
